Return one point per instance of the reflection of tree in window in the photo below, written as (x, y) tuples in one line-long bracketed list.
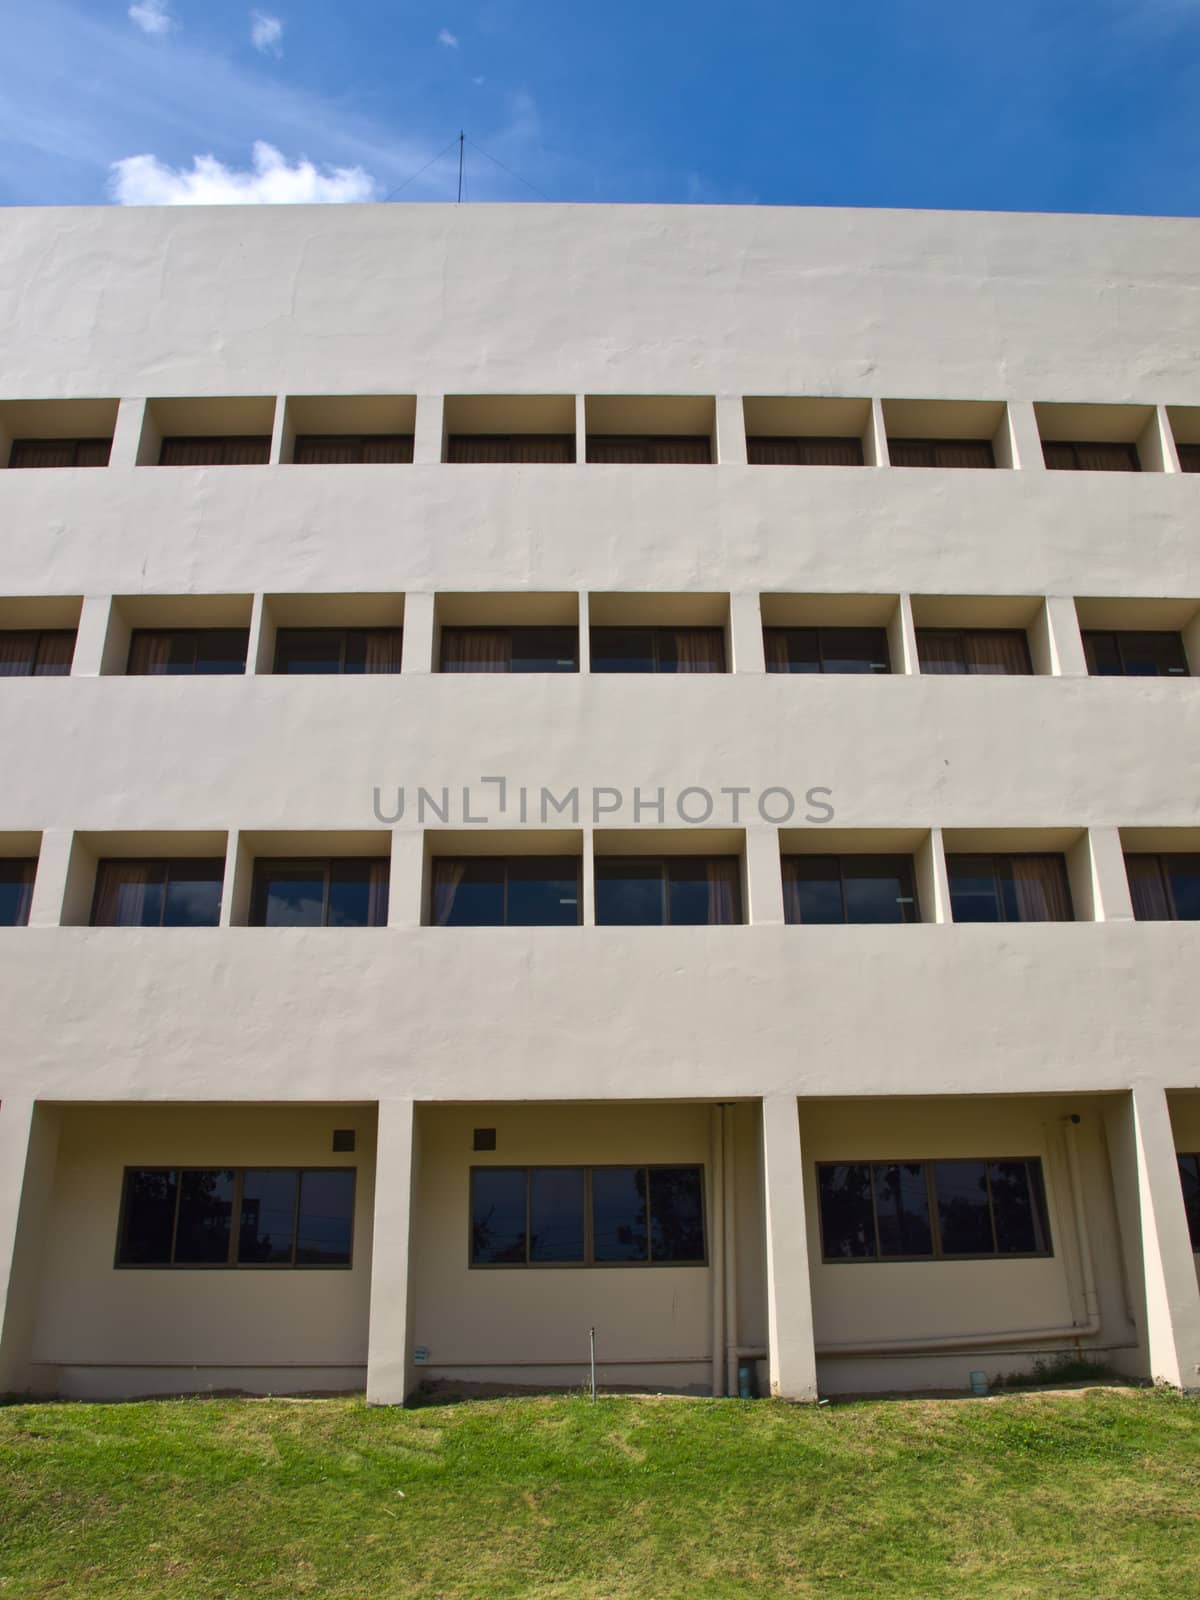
[(677, 1214)]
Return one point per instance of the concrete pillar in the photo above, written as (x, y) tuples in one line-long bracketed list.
[(791, 1351), (91, 637), (1026, 440), (417, 655), (28, 1148), (1098, 861), (1154, 1235), (50, 883), (933, 880), (1156, 446), (283, 434), (390, 1375), (875, 445), (745, 634), (406, 872), (731, 431), (428, 440), (1067, 658), (580, 430), (902, 638), (764, 876), (127, 435), (587, 908)]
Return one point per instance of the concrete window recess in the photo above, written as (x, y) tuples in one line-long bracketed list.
[(213, 431), (1102, 438), (832, 633), (329, 635), (320, 892), (651, 430), (1184, 422), (948, 433), (654, 877), (808, 432), (982, 635), (1140, 638), (659, 633), (517, 632), (495, 429), (56, 433), (177, 636), (164, 893), (18, 869), (1163, 868), (348, 430)]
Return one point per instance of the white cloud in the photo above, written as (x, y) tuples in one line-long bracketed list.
[(450, 40), (266, 33), (152, 16), (147, 181)]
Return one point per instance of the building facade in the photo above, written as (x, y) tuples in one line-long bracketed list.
[(838, 1033)]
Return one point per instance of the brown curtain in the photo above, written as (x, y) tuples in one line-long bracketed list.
[(939, 653), (248, 452), (383, 648), (93, 452), (791, 890), (55, 653), (680, 451), (910, 453), (476, 650), (42, 453), (548, 447), (377, 897), (775, 643), (388, 447), (723, 890), (804, 452), (699, 650), (192, 453), (447, 875), (148, 654), (1149, 891), (16, 654), (478, 448), (963, 453), (1107, 457), (1003, 654), (120, 894), (1041, 888), (605, 451), (25, 898), (311, 451)]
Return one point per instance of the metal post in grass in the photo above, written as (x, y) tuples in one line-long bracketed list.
[(592, 1354)]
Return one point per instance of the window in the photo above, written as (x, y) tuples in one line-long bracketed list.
[(158, 894), (932, 1210), (1189, 457), (685, 891), (36, 653), (1189, 1174), (350, 651), (237, 1217), (1063, 455), (1165, 888), (511, 447), (533, 649), (992, 652), (499, 892), (1009, 888), (798, 452), (60, 452), (214, 450), (827, 650), (186, 652), (16, 891), (828, 889), (587, 1216), (658, 649), (337, 449), (650, 450), (350, 892), (1133, 653), (941, 453)]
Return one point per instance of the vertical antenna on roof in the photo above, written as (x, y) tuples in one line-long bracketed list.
[(461, 138)]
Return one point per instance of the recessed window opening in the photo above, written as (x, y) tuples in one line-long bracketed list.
[(1009, 888), (823, 889), (315, 892), (158, 893), (512, 891), (683, 891)]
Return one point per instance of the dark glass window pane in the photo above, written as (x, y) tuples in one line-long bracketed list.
[(816, 889), (543, 891), (962, 1201), (148, 1219), (686, 650), (1152, 655), (1103, 656), (55, 652), (630, 893), (205, 1215), (292, 896), (676, 1214), (1034, 888), (940, 651), (1189, 1175), (556, 1214), (308, 650), (902, 1209), (847, 1216), (878, 889), (326, 1228), (193, 894), (974, 896), (497, 1216), (357, 893), (1189, 457), (688, 892), (221, 651), (792, 650), (854, 650), (469, 893), (1016, 1207), (623, 650), (545, 649), (1183, 875), (619, 1231), (18, 651), (16, 891), (129, 894), (267, 1227)]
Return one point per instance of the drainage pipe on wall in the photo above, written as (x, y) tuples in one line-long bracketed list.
[(717, 1264), (985, 1341)]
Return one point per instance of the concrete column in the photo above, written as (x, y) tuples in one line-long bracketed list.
[(1098, 862), (1154, 1235), (428, 440), (28, 1148), (580, 430), (791, 1351), (745, 634), (902, 638), (127, 435), (1026, 442), (406, 873), (390, 1375), (92, 636), (585, 632), (875, 445), (731, 431), (1067, 659), (933, 881), (50, 883), (282, 433), (587, 909), (764, 876), (417, 654), (1166, 436), (1156, 446)]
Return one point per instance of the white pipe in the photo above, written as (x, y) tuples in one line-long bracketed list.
[(717, 1263), (730, 1228)]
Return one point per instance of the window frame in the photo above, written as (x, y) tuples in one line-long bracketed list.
[(1009, 855), (929, 1164), (258, 888), (457, 629), (960, 635), (231, 1263), (455, 440), (358, 439), (799, 442), (664, 864), (658, 630), (345, 634), (647, 442), (27, 881), (1160, 858), (75, 442), (38, 637), (1127, 446), (505, 862), (224, 439), (137, 634), (165, 863), (589, 1263), (934, 445), (820, 630), (1117, 636), (912, 899)]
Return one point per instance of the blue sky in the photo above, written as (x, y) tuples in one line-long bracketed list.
[(1072, 105)]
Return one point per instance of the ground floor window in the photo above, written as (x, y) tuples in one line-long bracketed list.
[(922, 1210), (236, 1217), (587, 1216), (1189, 1172)]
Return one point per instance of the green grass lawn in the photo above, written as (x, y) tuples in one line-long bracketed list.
[(1093, 1493)]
